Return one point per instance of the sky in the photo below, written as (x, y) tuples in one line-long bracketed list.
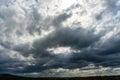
[(60, 38)]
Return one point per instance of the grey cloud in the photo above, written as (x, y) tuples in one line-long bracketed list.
[(60, 18), (35, 19), (112, 6)]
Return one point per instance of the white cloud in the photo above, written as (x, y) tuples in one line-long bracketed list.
[(78, 72), (62, 50)]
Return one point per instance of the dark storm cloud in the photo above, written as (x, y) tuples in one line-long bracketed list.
[(77, 39)]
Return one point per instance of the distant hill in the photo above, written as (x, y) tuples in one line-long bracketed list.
[(13, 77)]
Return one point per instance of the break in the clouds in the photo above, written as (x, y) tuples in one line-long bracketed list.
[(60, 37)]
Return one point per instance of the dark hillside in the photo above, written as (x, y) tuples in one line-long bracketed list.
[(12, 77)]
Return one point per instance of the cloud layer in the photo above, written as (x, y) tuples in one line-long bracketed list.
[(47, 36)]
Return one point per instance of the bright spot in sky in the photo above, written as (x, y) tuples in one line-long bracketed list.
[(62, 50), (67, 3)]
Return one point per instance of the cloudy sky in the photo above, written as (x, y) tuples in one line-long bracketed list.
[(64, 38)]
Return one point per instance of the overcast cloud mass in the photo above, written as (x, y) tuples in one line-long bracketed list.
[(61, 38)]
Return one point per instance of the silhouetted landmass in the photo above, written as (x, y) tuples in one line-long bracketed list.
[(13, 77)]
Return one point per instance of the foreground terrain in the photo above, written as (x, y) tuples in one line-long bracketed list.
[(12, 77)]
